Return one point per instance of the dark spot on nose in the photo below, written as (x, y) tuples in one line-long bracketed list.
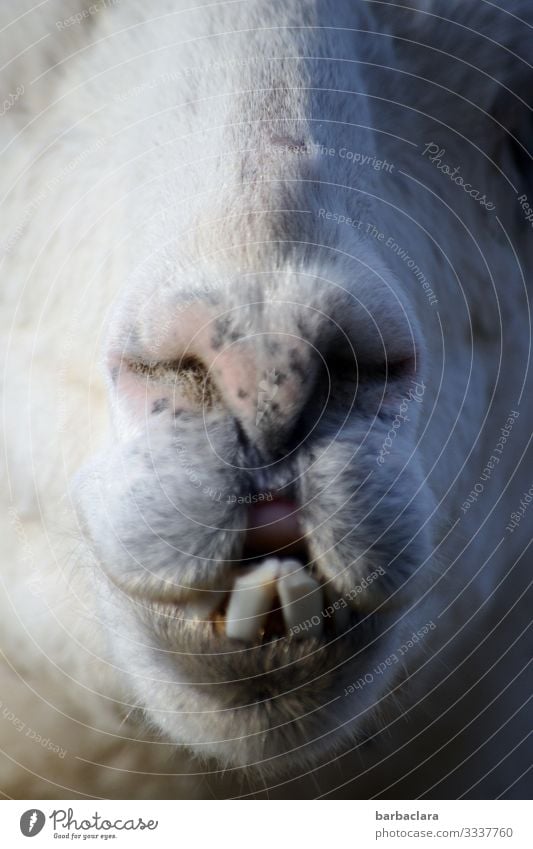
[(242, 393)]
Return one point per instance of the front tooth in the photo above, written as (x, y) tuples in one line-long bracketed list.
[(251, 600), (301, 601)]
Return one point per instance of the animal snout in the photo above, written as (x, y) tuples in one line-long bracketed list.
[(282, 374)]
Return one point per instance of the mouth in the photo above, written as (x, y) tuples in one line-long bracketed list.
[(277, 589)]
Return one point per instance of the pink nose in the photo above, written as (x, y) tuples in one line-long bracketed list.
[(262, 379)]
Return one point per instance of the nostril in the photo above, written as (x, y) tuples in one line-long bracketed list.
[(388, 371), (350, 384), (346, 362), (351, 370), (188, 376), (195, 380), (165, 370)]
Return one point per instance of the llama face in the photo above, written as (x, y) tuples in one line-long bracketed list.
[(262, 518)]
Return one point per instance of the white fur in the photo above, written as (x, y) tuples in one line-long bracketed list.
[(133, 174)]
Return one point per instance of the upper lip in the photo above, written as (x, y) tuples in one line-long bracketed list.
[(272, 529), (289, 589)]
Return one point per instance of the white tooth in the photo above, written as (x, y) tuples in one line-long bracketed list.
[(204, 605), (340, 615), (251, 600), (301, 601)]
